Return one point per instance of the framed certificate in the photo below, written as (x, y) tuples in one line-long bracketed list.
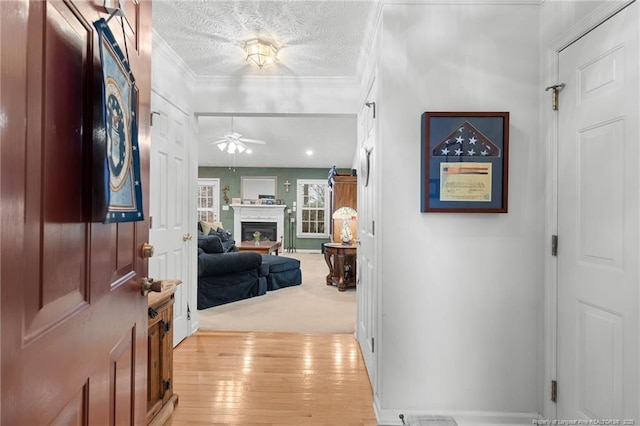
[(465, 162)]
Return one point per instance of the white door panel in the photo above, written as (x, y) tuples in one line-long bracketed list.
[(367, 277), (169, 199), (598, 215)]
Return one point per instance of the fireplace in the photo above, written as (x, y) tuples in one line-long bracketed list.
[(251, 214), (268, 230)]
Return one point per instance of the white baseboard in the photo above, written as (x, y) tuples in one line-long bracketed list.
[(388, 417), (284, 252), (195, 326)]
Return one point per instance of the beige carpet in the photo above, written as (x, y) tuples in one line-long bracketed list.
[(312, 307)]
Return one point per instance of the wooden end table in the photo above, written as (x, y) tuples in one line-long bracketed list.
[(341, 260), (262, 247)]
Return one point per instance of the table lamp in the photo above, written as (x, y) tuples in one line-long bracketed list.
[(346, 214)]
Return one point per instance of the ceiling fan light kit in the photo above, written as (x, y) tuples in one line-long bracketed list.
[(260, 53), (234, 143), (232, 147)]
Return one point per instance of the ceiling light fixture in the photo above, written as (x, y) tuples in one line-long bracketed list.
[(234, 143), (231, 147), (260, 53)]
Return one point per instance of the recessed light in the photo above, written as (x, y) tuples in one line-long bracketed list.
[(248, 151), (309, 152)]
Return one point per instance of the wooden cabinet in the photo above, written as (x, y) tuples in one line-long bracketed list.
[(344, 194), (160, 397)]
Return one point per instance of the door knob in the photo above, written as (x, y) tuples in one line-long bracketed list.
[(186, 237), (148, 285), (146, 251)]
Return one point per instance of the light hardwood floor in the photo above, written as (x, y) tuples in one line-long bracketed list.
[(240, 378)]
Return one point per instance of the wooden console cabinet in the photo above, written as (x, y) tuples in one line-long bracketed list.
[(160, 397), (345, 192)]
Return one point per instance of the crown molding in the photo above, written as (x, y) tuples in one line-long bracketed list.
[(277, 114), (373, 22), (467, 2), (601, 14), (225, 81), (161, 46)]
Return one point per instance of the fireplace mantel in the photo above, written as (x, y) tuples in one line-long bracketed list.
[(258, 213)]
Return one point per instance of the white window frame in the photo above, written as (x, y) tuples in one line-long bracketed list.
[(300, 202), (215, 209)]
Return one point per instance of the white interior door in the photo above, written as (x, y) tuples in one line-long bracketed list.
[(170, 202), (366, 274), (598, 215)]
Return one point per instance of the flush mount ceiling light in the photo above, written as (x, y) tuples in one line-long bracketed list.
[(260, 53)]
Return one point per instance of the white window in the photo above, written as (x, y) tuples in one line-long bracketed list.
[(209, 200), (312, 214)]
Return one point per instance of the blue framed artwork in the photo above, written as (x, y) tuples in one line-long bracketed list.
[(465, 162), (122, 186)]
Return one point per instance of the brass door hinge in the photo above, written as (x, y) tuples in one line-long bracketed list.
[(554, 390), (554, 245)]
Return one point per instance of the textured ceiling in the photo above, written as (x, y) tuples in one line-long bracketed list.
[(314, 38)]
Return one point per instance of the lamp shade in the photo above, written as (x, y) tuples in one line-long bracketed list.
[(344, 213)]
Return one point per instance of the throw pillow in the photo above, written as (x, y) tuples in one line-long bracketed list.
[(210, 244), (208, 226), (222, 233)]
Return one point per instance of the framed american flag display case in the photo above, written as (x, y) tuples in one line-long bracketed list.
[(465, 162)]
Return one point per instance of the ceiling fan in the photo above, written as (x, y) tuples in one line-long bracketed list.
[(233, 142)]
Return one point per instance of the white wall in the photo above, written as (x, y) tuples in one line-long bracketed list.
[(560, 17), (170, 77), (462, 302), (462, 294), (275, 96)]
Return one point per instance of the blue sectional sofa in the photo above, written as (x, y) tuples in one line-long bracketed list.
[(227, 275), (282, 271)]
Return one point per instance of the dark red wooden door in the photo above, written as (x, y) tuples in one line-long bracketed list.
[(73, 318)]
